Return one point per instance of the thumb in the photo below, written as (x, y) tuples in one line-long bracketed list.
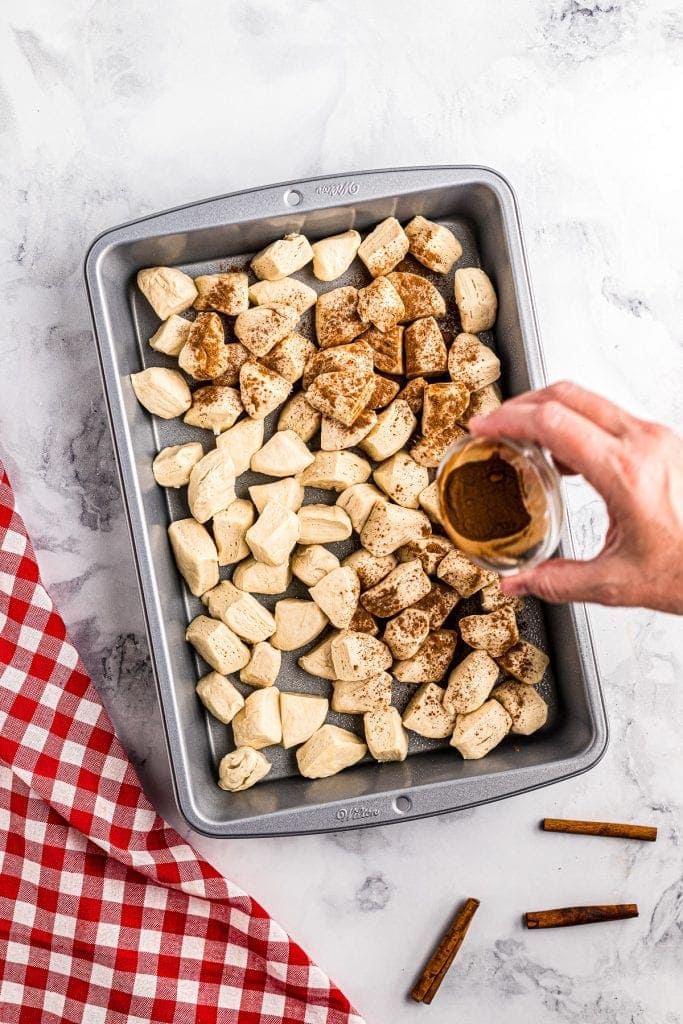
[(561, 580)]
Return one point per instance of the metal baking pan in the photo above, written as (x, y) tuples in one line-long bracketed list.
[(221, 234)]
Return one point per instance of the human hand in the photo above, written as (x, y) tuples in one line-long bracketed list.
[(636, 466)]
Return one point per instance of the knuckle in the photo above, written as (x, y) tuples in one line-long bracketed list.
[(626, 465), (609, 592), (563, 389), (546, 586), (552, 417)]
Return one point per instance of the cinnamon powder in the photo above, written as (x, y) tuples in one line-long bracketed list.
[(484, 500)]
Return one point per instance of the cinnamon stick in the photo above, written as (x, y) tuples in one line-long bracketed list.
[(445, 953), (600, 828), (567, 916)]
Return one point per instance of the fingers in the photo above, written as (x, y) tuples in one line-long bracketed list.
[(598, 410), (575, 442), (561, 580)]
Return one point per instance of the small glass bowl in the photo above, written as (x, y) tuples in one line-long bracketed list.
[(541, 493)]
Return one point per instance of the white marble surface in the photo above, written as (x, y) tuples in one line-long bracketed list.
[(109, 111)]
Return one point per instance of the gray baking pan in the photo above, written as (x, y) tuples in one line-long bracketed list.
[(479, 205)]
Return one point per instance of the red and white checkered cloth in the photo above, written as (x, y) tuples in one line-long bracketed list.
[(106, 914)]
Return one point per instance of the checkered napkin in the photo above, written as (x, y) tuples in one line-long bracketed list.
[(106, 915)]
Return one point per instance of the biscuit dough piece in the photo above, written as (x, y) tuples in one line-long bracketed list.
[(419, 296), (405, 634), (288, 357), (336, 317), (299, 416), (171, 336), (240, 612), (438, 603), (228, 293), (384, 391), (476, 734), (323, 524), (525, 706), (214, 408), (258, 724), (302, 714), (388, 527), (385, 247), (470, 683), (241, 769), (282, 258), (212, 485), (385, 736), (318, 661), (328, 751), (430, 450), (357, 501), (298, 622), (413, 394), (442, 405), (388, 348), (168, 291), (476, 300), (429, 501), (356, 356), (341, 395), (241, 442), (285, 292), (284, 454), (311, 562), (334, 255), (356, 697), (263, 667), (195, 554), (287, 492), (262, 327), (235, 355), (495, 632), (219, 697), (404, 585), (402, 479), (370, 568), (426, 715), (334, 436), (431, 662), (161, 391), (261, 389), (464, 576), (392, 431), (426, 354), (230, 528), (380, 304), (433, 245), (471, 363), (173, 465), (335, 471), (430, 550), (218, 646), (525, 662), (336, 594), (204, 354), (358, 656), (482, 402), (492, 599), (259, 578), (274, 534)]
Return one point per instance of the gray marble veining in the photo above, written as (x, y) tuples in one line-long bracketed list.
[(111, 111)]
